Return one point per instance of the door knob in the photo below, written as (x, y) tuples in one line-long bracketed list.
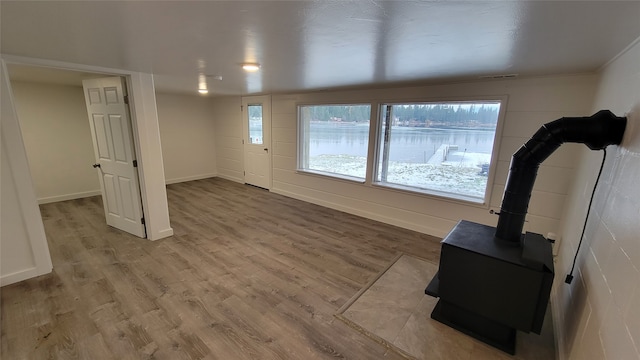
[(266, 149), (96, 166)]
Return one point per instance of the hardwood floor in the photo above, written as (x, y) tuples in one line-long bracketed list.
[(248, 275)]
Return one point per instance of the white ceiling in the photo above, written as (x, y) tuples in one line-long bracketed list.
[(306, 45)]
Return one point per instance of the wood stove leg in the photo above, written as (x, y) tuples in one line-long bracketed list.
[(476, 326)]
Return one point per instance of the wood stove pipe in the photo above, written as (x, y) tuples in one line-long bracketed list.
[(596, 131)]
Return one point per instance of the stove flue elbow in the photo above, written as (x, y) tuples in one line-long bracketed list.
[(597, 132)]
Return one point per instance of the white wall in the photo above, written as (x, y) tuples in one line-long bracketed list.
[(599, 313), (24, 252), (57, 137), (531, 103), (187, 130), (228, 122)]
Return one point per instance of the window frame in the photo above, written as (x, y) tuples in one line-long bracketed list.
[(373, 152), (300, 146), (441, 195)]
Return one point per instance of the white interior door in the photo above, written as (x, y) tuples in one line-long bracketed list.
[(256, 117), (115, 156)]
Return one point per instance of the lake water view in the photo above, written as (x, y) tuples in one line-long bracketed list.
[(408, 144), (416, 156)]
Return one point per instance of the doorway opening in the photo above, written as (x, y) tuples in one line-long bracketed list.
[(58, 137)]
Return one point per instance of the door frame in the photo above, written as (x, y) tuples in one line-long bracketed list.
[(146, 138), (265, 101)]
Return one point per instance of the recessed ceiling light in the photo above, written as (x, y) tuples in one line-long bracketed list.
[(202, 84), (251, 67)]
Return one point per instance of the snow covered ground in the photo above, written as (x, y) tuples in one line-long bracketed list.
[(459, 173)]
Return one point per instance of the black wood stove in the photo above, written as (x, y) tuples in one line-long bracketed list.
[(493, 281), (488, 291)]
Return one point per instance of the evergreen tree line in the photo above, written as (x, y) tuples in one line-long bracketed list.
[(438, 113), (447, 113), (350, 113)]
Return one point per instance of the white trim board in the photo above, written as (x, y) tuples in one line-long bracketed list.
[(85, 194), (231, 178), (65, 197), (190, 178), (8, 279)]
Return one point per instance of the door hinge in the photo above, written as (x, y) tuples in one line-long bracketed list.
[(244, 173), (142, 221), (241, 107), (135, 163), (126, 99)]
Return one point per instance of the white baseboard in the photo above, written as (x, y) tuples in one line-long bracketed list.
[(231, 178), (65, 197), (84, 194), (190, 178), (22, 275), (369, 215), (161, 234)]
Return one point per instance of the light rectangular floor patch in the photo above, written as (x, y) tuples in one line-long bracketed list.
[(394, 310)]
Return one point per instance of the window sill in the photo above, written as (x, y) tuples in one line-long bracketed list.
[(434, 194), (347, 178)]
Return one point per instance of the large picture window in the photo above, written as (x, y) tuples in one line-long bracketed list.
[(334, 139), (439, 148)]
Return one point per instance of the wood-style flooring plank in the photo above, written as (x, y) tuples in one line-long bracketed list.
[(248, 275)]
